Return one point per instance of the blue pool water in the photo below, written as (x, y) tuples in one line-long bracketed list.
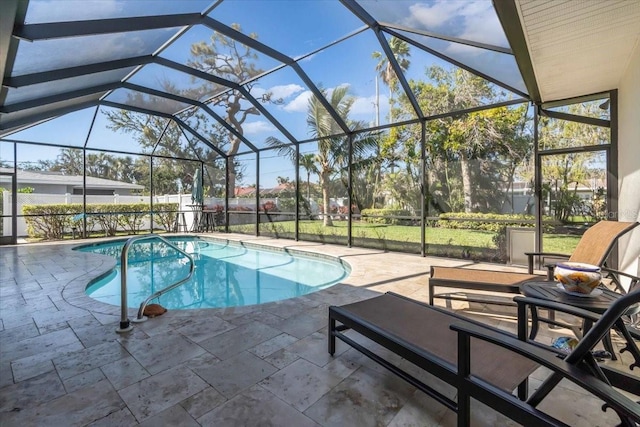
[(227, 274)]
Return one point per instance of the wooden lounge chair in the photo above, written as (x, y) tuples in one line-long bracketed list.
[(594, 247), (480, 362)]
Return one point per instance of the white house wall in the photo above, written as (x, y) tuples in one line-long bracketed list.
[(44, 188), (629, 162)]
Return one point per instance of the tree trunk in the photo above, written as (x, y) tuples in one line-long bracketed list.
[(467, 189), (233, 149), (324, 183), (232, 182)]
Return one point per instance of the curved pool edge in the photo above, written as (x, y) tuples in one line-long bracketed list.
[(75, 291), (242, 243), (292, 251)]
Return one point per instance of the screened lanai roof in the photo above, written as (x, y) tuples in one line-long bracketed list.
[(180, 67)]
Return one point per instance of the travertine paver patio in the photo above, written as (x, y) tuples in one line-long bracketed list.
[(62, 364)]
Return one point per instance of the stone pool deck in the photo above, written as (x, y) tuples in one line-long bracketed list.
[(62, 364)]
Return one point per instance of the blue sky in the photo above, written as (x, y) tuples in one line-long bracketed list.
[(295, 28)]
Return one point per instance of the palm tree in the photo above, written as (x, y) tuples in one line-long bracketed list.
[(308, 162), (401, 52), (333, 151)]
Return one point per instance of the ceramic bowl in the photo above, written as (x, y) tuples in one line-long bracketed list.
[(578, 277)]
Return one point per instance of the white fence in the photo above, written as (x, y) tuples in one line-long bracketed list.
[(22, 199), (183, 200)]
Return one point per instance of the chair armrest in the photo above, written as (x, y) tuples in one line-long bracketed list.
[(621, 273), (635, 280), (616, 400), (553, 254), (530, 256), (558, 306)]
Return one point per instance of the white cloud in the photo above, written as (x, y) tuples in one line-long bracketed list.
[(433, 16), (77, 51), (367, 106), (331, 89), (362, 108), (285, 91), (308, 58), (482, 24), (460, 51), (473, 20), (300, 103), (257, 127)]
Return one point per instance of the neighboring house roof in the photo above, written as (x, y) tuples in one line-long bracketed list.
[(244, 191), (274, 191), (39, 177)]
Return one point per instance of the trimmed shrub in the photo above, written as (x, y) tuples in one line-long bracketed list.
[(474, 221), (165, 214), (51, 222), (383, 216), (496, 223)]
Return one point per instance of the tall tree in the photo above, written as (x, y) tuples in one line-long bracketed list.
[(222, 57), (333, 152), (564, 174), (471, 153), (388, 149), (401, 52), (69, 162)]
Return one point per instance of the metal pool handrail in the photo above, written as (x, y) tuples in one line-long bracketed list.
[(125, 325)]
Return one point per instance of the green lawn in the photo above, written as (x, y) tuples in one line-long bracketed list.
[(401, 233)]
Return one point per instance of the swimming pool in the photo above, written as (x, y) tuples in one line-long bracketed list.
[(227, 274)]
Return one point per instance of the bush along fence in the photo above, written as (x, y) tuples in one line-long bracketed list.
[(496, 223), (52, 222), (386, 216)]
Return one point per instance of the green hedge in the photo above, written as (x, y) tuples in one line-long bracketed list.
[(474, 221), (165, 214), (51, 222), (383, 216), (496, 223)]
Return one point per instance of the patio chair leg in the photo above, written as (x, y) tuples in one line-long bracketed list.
[(332, 335), (608, 345), (606, 340), (535, 324), (552, 317), (630, 344), (523, 389), (464, 372)]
